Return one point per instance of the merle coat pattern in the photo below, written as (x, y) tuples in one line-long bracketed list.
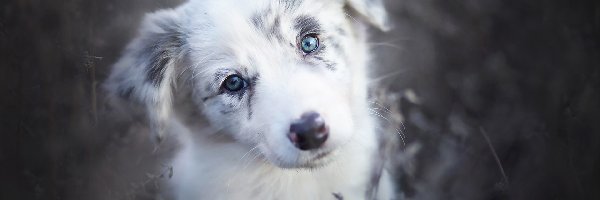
[(235, 143)]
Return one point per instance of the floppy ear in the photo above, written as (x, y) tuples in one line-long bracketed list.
[(371, 10), (145, 72)]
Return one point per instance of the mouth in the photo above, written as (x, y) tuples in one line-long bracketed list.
[(315, 160), (320, 159), (321, 156)]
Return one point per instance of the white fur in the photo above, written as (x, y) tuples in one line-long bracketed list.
[(235, 146)]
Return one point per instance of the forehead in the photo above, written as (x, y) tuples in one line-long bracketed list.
[(249, 31), (283, 7), (231, 20)]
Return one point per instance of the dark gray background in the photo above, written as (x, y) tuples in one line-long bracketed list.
[(525, 74)]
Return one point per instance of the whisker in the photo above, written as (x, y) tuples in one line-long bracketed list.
[(252, 149), (244, 164), (256, 155), (400, 133), (380, 106), (385, 44), (386, 76)]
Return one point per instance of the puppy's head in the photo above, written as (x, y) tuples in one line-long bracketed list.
[(287, 77)]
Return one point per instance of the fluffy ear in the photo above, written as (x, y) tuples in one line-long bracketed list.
[(371, 10), (145, 72)]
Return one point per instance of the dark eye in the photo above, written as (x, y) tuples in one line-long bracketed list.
[(234, 83), (309, 43)]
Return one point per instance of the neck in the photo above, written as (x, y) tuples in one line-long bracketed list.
[(215, 166)]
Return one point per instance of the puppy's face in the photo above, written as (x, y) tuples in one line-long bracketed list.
[(278, 76), (285, 77)]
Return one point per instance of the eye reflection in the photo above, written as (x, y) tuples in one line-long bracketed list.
[(309, 43), (234, 83)]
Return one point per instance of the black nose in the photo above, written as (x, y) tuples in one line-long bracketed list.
[(309, 132)]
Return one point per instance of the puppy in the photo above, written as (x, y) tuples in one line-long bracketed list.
[(267, 97)]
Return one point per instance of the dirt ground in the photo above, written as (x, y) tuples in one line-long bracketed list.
[(499, 100)]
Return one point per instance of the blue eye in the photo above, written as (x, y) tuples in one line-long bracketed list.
[(234, 83), (309, 43)]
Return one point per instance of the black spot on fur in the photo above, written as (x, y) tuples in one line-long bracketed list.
[(157, 67), (338, 196), (227, 109), (272, 29), (239, 95), (257, 21), (221, 74), (162, 50), (328, 63), (275, 30), (290, 5), (341, 31), (307, 24), (252, 84)]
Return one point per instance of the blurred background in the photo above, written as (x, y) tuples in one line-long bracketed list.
[(500, 99)]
